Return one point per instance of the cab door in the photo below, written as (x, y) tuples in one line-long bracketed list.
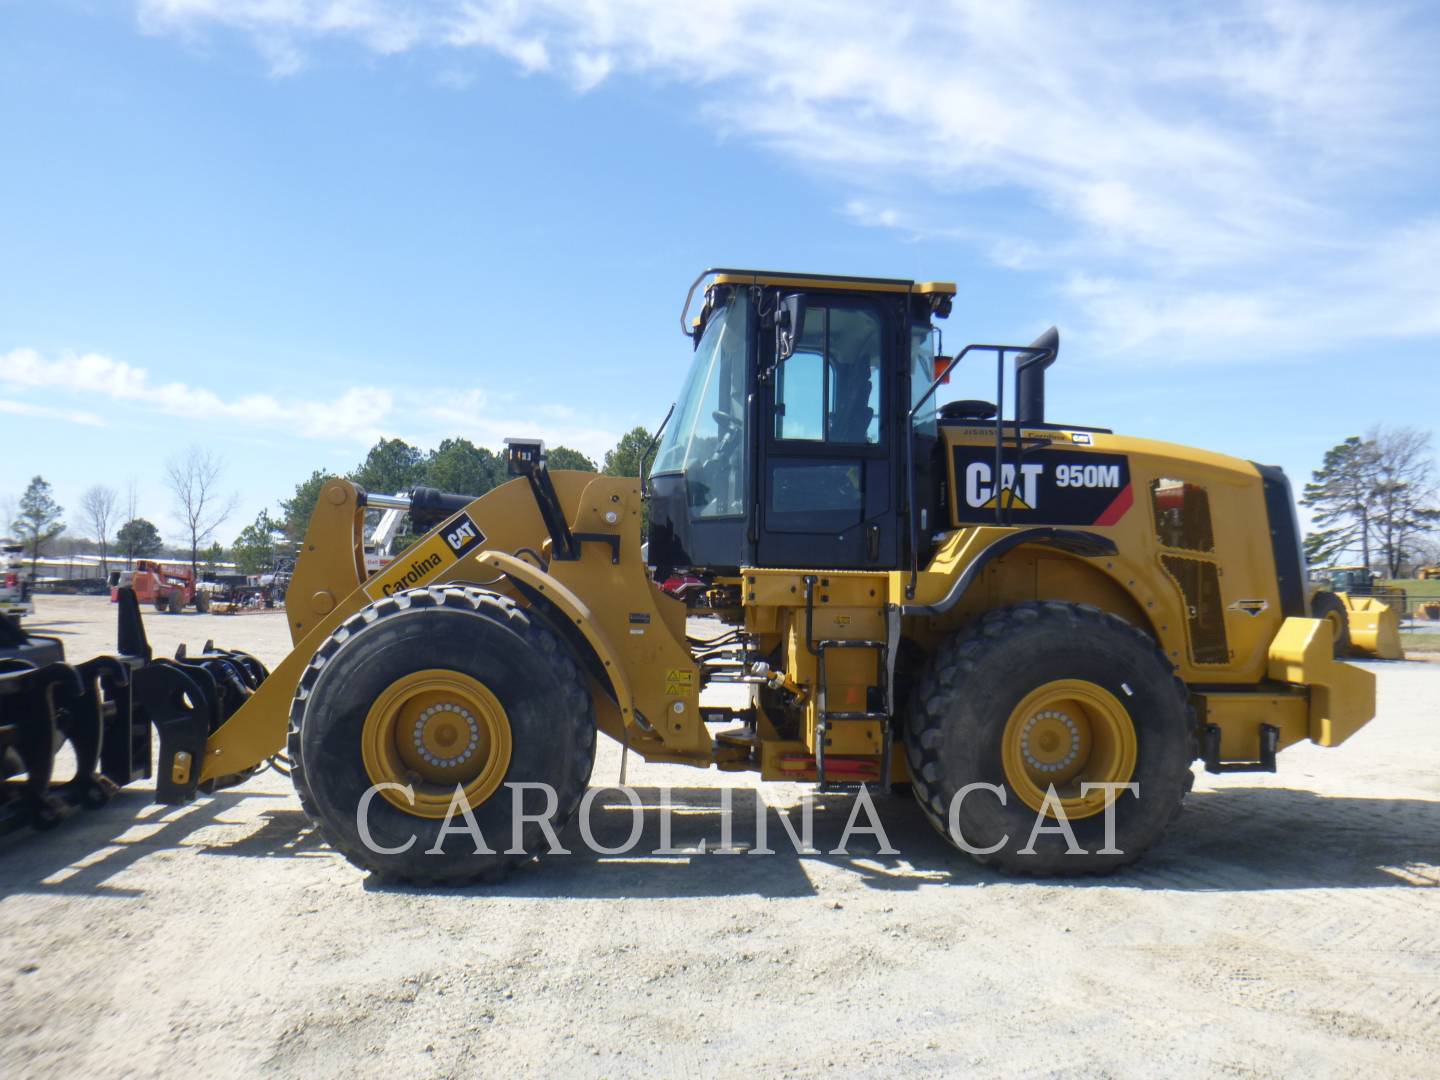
[(827, 478)]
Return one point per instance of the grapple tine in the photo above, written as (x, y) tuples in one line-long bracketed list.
[(31, 706), (104, 708)]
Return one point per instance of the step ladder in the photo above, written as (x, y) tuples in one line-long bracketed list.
[(825, 716)]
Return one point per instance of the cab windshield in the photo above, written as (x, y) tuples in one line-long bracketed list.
[(706, 442)]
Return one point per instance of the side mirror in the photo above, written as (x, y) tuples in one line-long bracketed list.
[(789, 325)]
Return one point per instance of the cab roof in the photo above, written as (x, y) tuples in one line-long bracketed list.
[(727, 276), (939, 293)]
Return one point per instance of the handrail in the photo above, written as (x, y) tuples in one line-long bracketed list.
[(912, 528)]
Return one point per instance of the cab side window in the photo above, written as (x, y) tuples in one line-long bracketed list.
[(828, 390)]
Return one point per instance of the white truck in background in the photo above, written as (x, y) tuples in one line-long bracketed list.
[(14, 581)]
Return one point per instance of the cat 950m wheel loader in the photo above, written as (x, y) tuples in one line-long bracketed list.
[(1016, 617)]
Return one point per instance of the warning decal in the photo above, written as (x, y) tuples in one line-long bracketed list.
[(678, 682)]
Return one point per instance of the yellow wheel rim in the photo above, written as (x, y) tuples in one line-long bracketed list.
[(1067, 733), (1337, 623), (432, 731)]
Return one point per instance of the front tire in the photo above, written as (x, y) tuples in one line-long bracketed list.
[(1043, 697), (434, 689)]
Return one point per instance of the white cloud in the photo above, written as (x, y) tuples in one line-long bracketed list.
[(359, 414), (1216, 163), (865, 213), (591, 69), (70, 416), (472, 414), (454, 79), (1387, 293)]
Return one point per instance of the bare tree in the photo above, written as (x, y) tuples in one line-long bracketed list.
[(98, 507), (1406, 499), (128, 515), (1425, 552), (194, 480)]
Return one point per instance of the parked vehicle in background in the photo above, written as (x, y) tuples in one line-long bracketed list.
[(170, 587), (1364, 616), (216, 597), (14, 581)]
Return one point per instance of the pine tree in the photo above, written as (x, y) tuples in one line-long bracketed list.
[(1342, 494), (139, 539), (39, 520)]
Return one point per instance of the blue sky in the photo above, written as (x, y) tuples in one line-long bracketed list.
[(283, 228)]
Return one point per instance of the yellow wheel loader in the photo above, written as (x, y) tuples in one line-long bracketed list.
[(1025, 621), (1364, 617)]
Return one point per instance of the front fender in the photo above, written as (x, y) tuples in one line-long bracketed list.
[(571, 618)]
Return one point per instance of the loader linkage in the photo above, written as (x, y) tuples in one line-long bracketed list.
[(104, 708)]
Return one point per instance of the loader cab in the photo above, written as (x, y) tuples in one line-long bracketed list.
[(784, 448)]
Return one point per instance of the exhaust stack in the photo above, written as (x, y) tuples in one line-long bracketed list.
[(1030, 377)]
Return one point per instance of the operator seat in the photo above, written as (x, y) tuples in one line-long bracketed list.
[(853, 415), (968, 409)]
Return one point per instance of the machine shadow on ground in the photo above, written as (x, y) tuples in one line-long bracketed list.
[(1236, 840), (1242, 839), (84, 853)]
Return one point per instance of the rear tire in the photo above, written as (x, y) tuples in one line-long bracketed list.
[(1328, 606), (970, 708), (482, 638), (177, 603)]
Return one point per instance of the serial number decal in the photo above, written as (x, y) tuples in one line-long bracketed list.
[(1046, 486)]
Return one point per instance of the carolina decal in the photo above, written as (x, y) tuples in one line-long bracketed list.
[(410, 568), (416, 566), (1045, 487)]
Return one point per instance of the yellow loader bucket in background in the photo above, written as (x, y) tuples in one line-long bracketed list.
[(1374, 627)]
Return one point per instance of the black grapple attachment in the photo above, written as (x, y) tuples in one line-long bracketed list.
[(103, 710)]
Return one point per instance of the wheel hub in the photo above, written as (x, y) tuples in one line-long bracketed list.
[(446, 735), (1064, 735), (1050, 741), (433, 731)]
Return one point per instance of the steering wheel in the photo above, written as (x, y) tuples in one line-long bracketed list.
[(729, 435)]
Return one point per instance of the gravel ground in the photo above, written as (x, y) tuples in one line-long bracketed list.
[(1288, 924)]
